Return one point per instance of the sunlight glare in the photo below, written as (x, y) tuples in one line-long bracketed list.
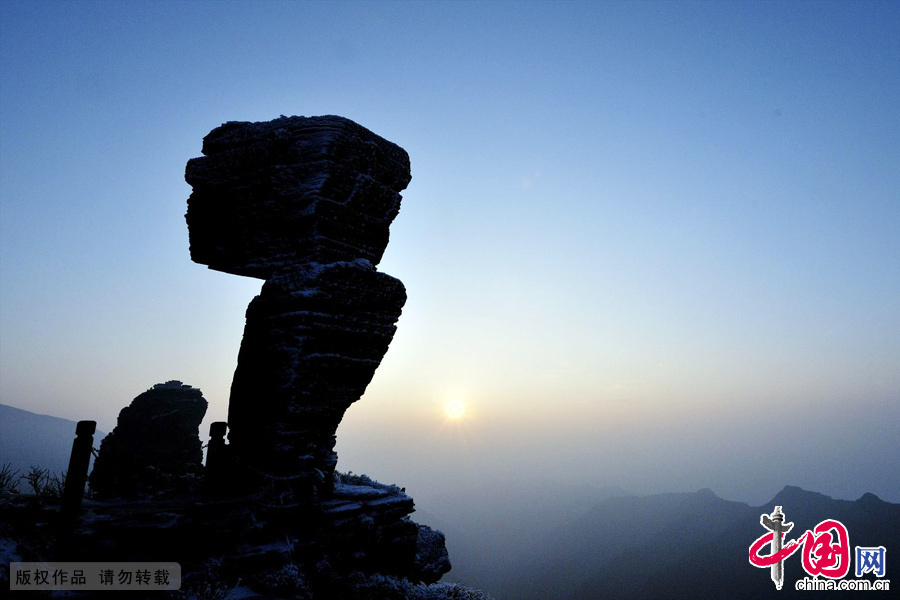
[(455, 410)]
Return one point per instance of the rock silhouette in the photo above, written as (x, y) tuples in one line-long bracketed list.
[(154, 444), (292, 191), (304, 203)]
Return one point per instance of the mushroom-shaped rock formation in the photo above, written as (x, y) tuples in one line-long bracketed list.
[(304, 203)]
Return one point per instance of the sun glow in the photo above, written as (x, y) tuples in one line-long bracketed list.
[(455, 410)]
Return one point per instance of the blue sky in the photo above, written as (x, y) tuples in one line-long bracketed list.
[(646, 244)]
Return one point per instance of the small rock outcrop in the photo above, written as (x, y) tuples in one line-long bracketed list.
[(154, 445), (304, 203)]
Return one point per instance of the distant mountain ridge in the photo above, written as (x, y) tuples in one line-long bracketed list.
[(28, 439), (586, 544), (689, 546)]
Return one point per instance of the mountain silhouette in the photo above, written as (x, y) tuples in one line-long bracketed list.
[(585, 544), (692, 545), (28, 440)]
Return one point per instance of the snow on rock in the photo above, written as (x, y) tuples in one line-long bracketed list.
[(432, 559)]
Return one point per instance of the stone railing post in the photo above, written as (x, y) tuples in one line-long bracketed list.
[(217, 464), (79, 461)]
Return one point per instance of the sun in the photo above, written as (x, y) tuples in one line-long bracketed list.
[(455, 410)]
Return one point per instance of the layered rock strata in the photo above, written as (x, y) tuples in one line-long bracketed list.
[(304, 203), (155, 445), (313, 339), (277, 194)]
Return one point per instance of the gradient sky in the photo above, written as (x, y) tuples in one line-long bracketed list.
[(652, 245)]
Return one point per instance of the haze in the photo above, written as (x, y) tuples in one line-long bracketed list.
[(646, 245)]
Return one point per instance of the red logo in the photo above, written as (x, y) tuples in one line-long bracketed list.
[(826, 550)]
